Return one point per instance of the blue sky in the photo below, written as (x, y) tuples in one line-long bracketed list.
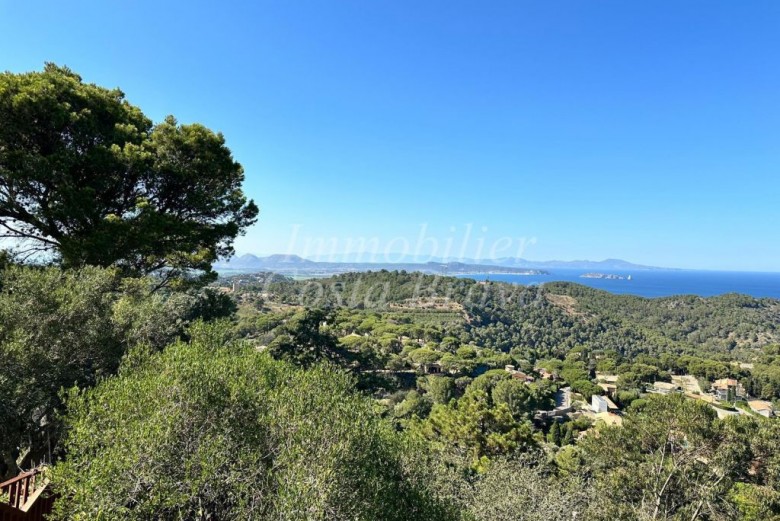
[(648, 131)]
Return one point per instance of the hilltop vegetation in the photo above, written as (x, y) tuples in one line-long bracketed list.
[(398, 320), (719, 324), (537, 322)]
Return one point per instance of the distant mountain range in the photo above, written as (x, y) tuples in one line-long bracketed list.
[(514, 262), (607, 264), (294, 264)]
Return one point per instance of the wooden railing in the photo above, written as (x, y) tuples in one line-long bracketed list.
[(25, 498), (19, 488)]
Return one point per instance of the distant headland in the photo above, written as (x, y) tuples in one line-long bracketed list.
[(343, 263), (296, 265)]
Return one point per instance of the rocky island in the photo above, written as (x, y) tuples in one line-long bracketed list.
[(608, 276)]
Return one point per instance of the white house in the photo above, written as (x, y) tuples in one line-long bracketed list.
[(599, 404)]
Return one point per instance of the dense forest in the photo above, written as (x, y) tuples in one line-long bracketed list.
[(395, 318)]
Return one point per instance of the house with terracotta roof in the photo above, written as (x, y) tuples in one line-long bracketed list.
[(518, 375), (728, 389), (761, 407)]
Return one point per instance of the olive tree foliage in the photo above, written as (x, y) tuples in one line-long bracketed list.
[(673, 459), (87, 178), (522, 487), (60, 328), (214, 429), (526, 490)]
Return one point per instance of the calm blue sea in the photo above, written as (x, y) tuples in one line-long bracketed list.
[(660, 283)]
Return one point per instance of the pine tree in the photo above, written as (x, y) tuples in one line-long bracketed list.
[(567, 436), (554, 436)]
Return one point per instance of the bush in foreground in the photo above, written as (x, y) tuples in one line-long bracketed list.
[(216, 430), (64, 328)]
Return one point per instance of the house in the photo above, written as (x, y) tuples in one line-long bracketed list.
[(518, 375), (548, 375), (602, 404), (607, 378), (430, 368), (664, 388), (761, 407), (727, 389), (609, 389)]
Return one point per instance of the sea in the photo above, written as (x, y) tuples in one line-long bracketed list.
[(658, 283)]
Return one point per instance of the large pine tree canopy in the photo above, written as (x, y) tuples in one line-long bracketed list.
[(88, 179)]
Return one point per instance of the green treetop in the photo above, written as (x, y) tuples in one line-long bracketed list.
[(87, 178)]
